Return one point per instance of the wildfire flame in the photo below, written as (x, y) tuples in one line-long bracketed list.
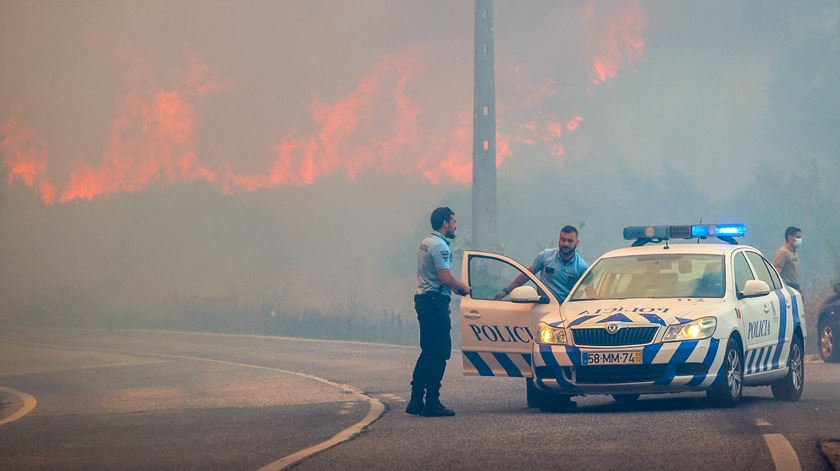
[(26, 157), (374, 127), (151, 138), (348, 141), (622, 44)]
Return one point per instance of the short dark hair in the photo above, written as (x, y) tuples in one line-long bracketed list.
[(569, 230), (791, 231), (440, 216)]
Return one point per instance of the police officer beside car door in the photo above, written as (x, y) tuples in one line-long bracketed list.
[(431, 301)]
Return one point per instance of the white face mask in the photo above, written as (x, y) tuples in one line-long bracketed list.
[(797, 242)]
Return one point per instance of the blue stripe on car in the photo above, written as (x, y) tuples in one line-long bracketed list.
[(510, 368), (795, 308), (782, 328), (527, 357), (616, 318), (707, 362), (479, 364), (548, 357), (581, 320), (680, 356), (649, 353), (655, 319), (574, 355), (757, 366), (767, 364)]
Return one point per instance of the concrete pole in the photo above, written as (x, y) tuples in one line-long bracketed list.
[(484, 225)]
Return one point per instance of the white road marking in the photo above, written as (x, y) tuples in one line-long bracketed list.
[(782, 452), (348, 405), (762, 423), (29, 404), (393, 397), (377, 408)]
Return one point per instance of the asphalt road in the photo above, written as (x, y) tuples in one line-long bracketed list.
[(140, 400)]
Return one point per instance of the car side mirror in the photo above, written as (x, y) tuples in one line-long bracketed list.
[(525, 294), (754, 289)]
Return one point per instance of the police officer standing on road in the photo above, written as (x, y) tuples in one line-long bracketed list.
[(558, 268), (434, 276), (786, 260)]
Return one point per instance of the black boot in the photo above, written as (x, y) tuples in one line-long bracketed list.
[(434, 408), (415, 404)]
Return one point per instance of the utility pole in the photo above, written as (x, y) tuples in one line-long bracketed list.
[(484, 225)]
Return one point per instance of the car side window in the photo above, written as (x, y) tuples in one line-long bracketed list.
[(742, 272), (760, 269), (777, 283), (489, 276)]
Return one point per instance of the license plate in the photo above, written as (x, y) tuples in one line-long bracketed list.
[(612, 358)]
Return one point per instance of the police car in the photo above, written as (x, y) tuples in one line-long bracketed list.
[(657, 317)]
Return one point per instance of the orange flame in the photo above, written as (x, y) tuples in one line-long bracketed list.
[(151, 138), (551, 133), (574, 123), (349, 139), (622, 43), (26, 156)]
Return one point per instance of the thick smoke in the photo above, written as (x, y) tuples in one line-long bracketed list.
[(234, 166)]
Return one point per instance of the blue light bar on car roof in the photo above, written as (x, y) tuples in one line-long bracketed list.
[(719, 230), (645, 234)]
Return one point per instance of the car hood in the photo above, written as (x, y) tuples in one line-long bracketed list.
[(638, 311)]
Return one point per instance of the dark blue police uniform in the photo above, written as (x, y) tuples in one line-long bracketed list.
[(431, 302)]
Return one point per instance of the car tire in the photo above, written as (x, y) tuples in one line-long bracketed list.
[(728, 387), (546, 401), (790, 387), (533, 395), (626, 398), (827, 335), (556, 403)]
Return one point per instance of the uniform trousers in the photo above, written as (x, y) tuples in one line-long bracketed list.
[(435, 342)]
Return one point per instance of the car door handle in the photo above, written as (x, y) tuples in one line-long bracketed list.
[(472, 314)]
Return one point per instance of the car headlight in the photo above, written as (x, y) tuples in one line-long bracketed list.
[(550, 335), (694, 330)]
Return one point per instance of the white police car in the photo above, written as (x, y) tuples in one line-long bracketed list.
[(652, 318)]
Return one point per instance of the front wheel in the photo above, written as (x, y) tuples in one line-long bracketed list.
[(534, 396), (790, 387), (727, 389)]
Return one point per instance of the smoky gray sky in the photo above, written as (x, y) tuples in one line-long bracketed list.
[(160, 151)]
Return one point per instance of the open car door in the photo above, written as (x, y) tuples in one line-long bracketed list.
[(497, 335)]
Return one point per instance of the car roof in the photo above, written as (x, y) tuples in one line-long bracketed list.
[(678, 248)]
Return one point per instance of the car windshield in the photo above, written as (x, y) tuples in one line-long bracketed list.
[(653, 276)]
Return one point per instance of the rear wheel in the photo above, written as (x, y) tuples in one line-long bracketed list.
[(790, 387), (626, 398), (727, 389), (827, 339)]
